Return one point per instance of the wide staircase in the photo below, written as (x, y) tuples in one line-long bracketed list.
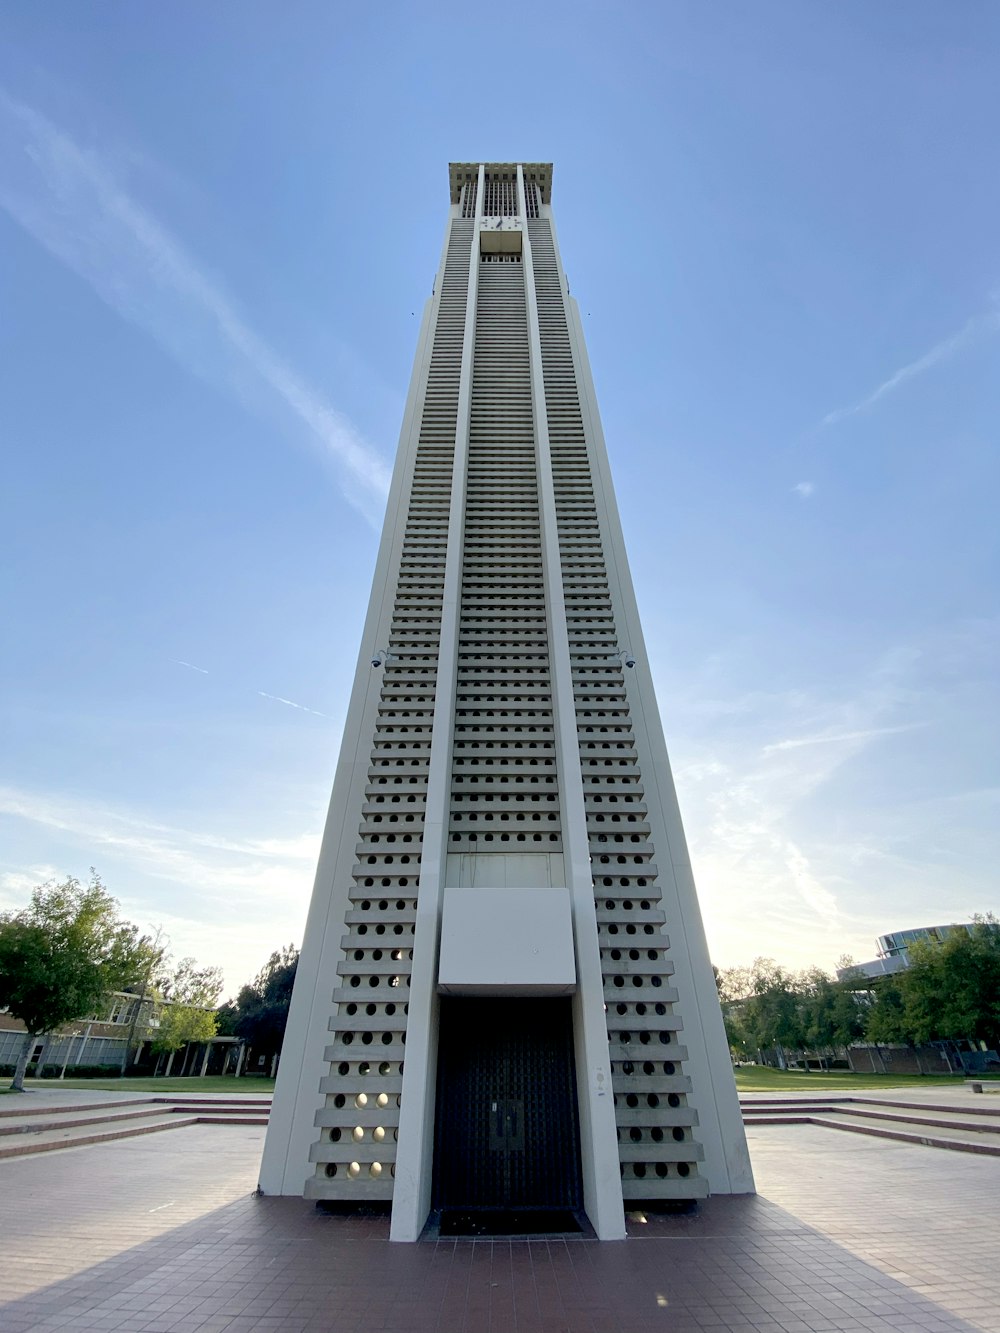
[(30, 1129), (960, 1127)]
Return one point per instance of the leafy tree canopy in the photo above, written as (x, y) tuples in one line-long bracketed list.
[(260, 1010), (62, 953), (186, 996), (190, 984), (179, 1024), (951, 989)]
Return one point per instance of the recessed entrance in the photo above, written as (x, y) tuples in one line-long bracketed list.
[(507, 1143)]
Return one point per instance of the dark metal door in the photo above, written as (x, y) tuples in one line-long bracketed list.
[(506, 1132)]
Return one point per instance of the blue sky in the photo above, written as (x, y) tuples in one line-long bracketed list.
[(218, 226)]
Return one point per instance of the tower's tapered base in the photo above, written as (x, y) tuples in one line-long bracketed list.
[(504, 1002)]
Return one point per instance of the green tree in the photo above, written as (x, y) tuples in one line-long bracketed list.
[(144, 1008), (188, 997), (886, 1021), (733, 985), (951, 988), (772, 1012), (261, 1009), (849, 1007), (61, 954), (817, 1012), (178, 1025), (190, 984)]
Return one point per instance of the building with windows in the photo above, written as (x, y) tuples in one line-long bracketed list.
[(893, 950), (504, 1013)]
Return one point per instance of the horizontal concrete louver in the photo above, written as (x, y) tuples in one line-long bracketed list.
[(658, 1147), (356, 1151), (504, 786)]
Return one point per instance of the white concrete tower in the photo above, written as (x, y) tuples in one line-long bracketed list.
[(504, 892)]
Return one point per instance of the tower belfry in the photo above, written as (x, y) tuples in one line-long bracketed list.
[(504, 1002)]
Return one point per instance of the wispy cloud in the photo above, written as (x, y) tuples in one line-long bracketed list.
[(291, 704), (838, 737), (16, 885), (977, 328), (804, 489), (811, 829), (190, 666), (69, 200), (226, 900), (169, 851), (771, 854)]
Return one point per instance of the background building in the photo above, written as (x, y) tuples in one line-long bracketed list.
[(893, 949), (504, 890)]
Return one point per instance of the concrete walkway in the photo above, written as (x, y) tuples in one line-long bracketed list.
[(162, 1235)]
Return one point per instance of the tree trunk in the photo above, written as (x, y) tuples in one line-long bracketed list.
[(166, 1072), (27, 1046)]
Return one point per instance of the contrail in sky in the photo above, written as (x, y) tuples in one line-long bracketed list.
[(976, 329), (291, 703), (190, 666), (278, 699), (68, 199)]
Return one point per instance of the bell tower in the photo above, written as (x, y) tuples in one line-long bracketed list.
[(504, 1006)]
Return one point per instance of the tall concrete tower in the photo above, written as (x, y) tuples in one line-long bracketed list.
[(504, 1008)]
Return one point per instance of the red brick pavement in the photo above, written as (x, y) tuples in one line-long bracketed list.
[(162, 1235)]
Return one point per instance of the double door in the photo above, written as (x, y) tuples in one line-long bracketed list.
[(507, 1135)]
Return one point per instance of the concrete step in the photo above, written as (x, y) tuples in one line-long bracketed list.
[(217, 1103), (969, 1106), (21, 1106), (976, 1109), (30, 1129), (229, 1118), (751, 1103), (49, 1140), (956, 1139), (236, 1112), (17, 1108), (937, 1119), (36, 1122), (781, 1118), (944, 1118), (931, 1124)]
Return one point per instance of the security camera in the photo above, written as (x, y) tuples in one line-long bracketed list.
[(630, 662), (376, 661)]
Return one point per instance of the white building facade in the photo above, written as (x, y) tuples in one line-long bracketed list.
[(504, 1004)]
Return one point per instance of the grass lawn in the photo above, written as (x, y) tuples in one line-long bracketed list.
[(245, 1086), (758, 1078)]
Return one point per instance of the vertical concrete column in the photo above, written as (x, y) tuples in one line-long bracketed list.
[(297, 1097), (708, 1064), (598, 1138), (411, 1199)]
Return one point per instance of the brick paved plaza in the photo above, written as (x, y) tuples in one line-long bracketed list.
[(162, 1234)]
